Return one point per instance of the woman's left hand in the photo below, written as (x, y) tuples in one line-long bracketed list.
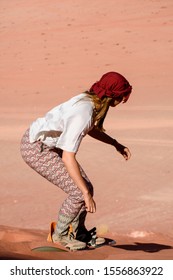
[(126, 153), (123, 150)]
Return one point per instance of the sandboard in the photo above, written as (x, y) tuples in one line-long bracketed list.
[(60, 248), (108, 241), (52, 229), (48, 249)]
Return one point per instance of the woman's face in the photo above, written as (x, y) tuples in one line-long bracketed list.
[(121, 99)]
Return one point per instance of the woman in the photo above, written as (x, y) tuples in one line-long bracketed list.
[(50, 145)]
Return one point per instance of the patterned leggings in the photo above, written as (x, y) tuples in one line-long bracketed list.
[(48, 163)]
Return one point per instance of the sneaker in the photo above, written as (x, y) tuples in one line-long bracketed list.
[(68, 241), (96, 241)]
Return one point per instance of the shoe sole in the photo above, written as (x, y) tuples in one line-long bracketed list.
[(68, 246)]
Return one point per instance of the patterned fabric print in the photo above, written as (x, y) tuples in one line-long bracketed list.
[(48, 163), (62, 227)]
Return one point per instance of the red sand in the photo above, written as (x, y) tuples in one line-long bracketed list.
[(50, 51)]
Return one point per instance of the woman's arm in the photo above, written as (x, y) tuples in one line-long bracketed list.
[(105, 138), (101, 136), (72, 166)]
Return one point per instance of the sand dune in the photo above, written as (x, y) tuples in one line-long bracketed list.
[(20, 244), (52, 50)]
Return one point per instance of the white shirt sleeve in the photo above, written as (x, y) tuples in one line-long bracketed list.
[(76, 126)]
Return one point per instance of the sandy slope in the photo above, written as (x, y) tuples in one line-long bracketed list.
[(48, 53), (20, 244)]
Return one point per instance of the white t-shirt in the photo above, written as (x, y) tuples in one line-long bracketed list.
[(65, 125)]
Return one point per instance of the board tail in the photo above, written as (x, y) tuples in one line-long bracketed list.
[(51, 231)]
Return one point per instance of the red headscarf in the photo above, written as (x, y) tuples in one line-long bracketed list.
[(112, 84)]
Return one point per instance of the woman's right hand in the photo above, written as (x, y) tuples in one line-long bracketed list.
[(90, 203)]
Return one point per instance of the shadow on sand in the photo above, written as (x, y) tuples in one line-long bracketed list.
[(145, 247)]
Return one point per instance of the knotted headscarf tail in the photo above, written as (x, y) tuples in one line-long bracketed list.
[(111, 84)]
